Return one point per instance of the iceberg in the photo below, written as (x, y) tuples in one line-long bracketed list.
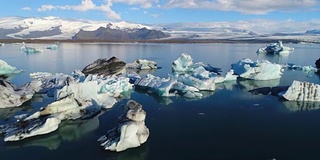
[(166, 87), (12, 96), (131, 131), (302, 91), (52, 47), (24, 129), (185, 64), (142, 64), (105, 67), (275, 48), (52, 82), (6, 69), (30, 50), (204, 72), (259, 70)]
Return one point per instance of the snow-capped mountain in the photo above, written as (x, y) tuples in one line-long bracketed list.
[(61, 28), (54, 27)]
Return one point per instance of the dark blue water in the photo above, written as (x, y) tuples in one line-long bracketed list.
[(229, 123)]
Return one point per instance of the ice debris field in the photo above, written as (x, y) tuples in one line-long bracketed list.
[(90, 92)]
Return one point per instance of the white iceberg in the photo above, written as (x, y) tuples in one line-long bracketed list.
[(203, 72), (131, 131), (52, 47), (259, 70), (185, 64), (166, 87), (12, 96), (142, 64), (6, 69), (302, 91), (30, 50), (51, 82), (276, 48), (25, 129)]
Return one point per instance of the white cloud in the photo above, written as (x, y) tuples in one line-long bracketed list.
[(244, 6), (134, 8), (261, 26), (154, 15), (26, 8), (86, 5)]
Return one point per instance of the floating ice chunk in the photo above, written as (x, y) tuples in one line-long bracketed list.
[(259, 70), (11, 96), (114, 86), (52, 47), (34, 127), (276, 48), (200, 84), (131, 131), (185, 64), (142, 64), (230, 76), (30, 50), (302, 91), (105, 67), (6, 69), (51, 82), (165, 87)]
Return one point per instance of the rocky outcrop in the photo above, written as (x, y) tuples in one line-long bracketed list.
[(119, 35)]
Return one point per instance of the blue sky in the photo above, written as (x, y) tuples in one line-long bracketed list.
[(166, 11)]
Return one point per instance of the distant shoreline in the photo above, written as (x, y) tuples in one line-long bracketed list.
[(150, 41)]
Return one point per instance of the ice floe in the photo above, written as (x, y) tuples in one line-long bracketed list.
[(302, 91), (12, 96), (258, 70), (52, 47), (142, 64), (6, 69), (30, 50), (131, 131), (275, 48)]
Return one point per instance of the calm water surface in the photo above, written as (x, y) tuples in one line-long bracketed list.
[(229, 123)]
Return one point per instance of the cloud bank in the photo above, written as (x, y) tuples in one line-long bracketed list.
[(241, 6)]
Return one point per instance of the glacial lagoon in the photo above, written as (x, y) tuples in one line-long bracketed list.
[(229, 123)]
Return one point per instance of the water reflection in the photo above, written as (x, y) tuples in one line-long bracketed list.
[(67, 131), (279, 59), (139, 153), (7, 113)]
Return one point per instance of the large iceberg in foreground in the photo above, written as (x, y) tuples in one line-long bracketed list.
[(259, 70), (302, 91), (6, 69), (131, 131), (275, 48)]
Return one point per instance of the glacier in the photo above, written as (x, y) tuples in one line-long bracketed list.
[(131, 131), (275, 48), (258, 70)]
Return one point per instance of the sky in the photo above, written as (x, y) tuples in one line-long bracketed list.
[(167, 11)]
